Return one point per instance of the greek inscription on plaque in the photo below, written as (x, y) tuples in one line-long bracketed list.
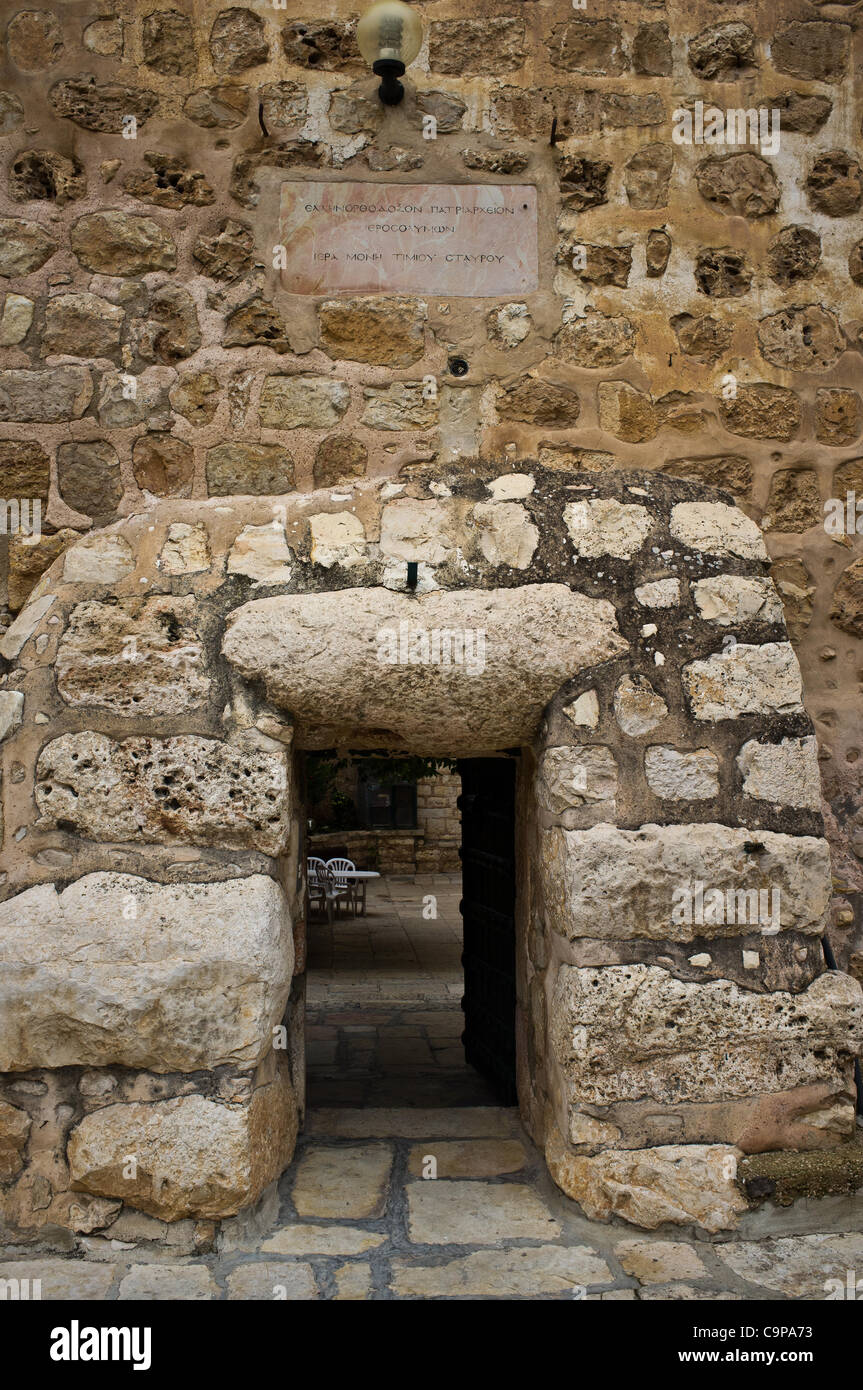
[(473, 240)]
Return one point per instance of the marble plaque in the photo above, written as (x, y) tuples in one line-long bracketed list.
[(473, 240)]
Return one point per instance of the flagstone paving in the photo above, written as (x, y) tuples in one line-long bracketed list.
[(490, 1225)]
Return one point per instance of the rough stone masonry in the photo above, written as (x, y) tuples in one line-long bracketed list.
[(232, 480)]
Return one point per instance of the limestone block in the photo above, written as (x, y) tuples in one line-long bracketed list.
[(16, 320), (729, 599), (428, 532), (187, 549), (14, 1132), (662, 593), (616, 884), (11, 712), (388, 332), (98, 559), (262, 553), (115, 970), (717, 529), (687, 1184), (118, 243), (312, 402), (602, 526), (785, 772), (637, 707), (55, 393), (20, 632), (334, 660), (194, 1157), (584, 712), (576, 777), (133, 658), (337, 538), (24, 246), (152, 790), (682, 776), (624, 1032), (746, 679), (507, 534)]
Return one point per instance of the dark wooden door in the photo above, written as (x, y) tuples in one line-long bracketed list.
[(487, 805)]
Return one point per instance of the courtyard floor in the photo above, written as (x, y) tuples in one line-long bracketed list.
[(357, 1216)]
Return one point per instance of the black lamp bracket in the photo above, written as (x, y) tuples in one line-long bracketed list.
[(389, 70)]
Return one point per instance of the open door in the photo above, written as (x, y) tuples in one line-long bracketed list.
[(487, 805)]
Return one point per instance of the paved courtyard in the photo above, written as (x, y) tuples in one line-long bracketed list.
[(409, 1184)]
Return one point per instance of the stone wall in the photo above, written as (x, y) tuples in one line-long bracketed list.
[(165, 675)]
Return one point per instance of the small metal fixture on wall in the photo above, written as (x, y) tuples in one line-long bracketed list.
[(390, 36)]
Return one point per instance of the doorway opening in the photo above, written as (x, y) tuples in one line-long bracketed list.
[(410, 991)]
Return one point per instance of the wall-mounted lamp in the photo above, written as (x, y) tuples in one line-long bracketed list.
[(390, 36)]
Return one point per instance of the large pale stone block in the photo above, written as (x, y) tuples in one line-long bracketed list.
[(718, 529), (785, 772), (602, 526), (133, 658), (116, 970), (686, 1184), (679, 776), (729, 599), (193, 1157), (745, 679), (616, 884), (578, 776), (199, 790), (334, 661), (623, 1032)]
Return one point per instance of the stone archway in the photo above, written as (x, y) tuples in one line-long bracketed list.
[(161, 681)]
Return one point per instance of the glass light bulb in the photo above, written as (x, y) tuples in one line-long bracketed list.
[(392, 30)]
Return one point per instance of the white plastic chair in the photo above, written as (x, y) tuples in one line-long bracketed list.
[(345, 887)]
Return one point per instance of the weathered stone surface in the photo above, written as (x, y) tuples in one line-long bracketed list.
[(730, 599), (507, 536), (387, 332), (310, 1239), (801, 112), (583, 182), (285, 105), (834, 184), (846, 609), (801, 339), (34, 40), (487, 45), (82, 325), (328, 45), (135, 657), (311, 402), (169, 183), (539, 402), (730, 471), (196, 397), (536, 637), (88, 475), (633, 1031), (217, 108), (595, 340), (468, 1158), (168, 43), (579, 776), (614, 884), (55, 393), (14, 1131), (11, 113), (651, 50), (24, 246), (762, 411), (476, 1213), (703, 337), (29, 558), (165, 1283), (25, 470), (11, 712), (679, 776), (170, 330), (63, 1280), (657, 252), (722, 274), (102, 106), (746, 679), (249, 469), (508, 325), (603, 526), (401, 406), (689, 1184), (266, 1279), (185, 788), (227, 254), (838, 416), (784, 772), (515, 1273), (262, 554), (118, 243), (794, 501), (98, 559), (661, 593), (47, 176), (793, 254), (637, 707), (338, 458), (21, 630), (195, 1157), (238, 40), (163, 464), (743, 184), (717, 529), (646, 176), (796, 590), (722, 52), (186, 549), (626, 412), (337, 538), (118, 971), (800, 1267), (656, 1261), (104, 36), (816, 51), (348, 1182), (589, 46)]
